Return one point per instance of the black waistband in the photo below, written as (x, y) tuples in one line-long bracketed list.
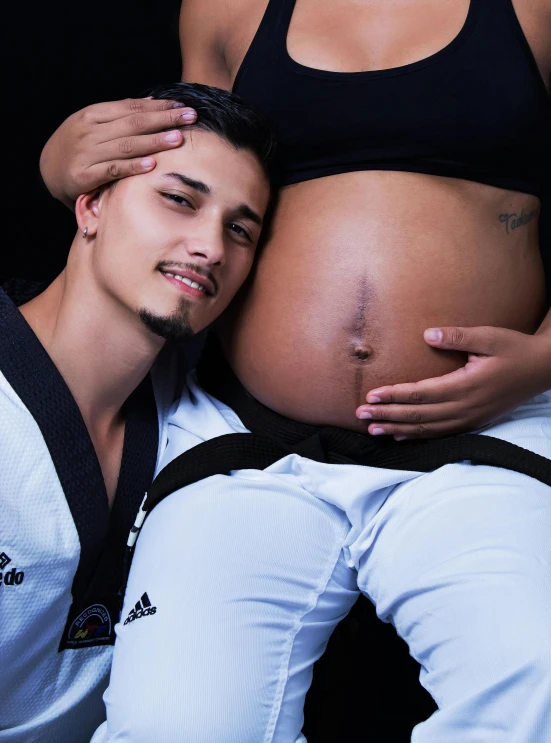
[(340, 446)]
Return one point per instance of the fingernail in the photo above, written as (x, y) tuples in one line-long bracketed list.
[(434, 334), (189, 116), (172, 137), (400, 438), (177, 104), (365, 415), (148, 163), (377, 431), (373, 399)]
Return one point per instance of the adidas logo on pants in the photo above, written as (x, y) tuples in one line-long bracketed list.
[(142, 608)]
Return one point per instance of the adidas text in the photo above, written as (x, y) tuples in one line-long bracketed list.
[(142, 608), (139, 614)]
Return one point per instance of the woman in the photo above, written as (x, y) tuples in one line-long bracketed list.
[(375, 204), (403, 266)]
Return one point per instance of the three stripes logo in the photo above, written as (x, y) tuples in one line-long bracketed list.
[(142, 608)]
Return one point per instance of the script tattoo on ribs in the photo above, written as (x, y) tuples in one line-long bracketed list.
[(513, 221)]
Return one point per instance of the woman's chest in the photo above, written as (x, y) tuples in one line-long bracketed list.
[(370, 35)]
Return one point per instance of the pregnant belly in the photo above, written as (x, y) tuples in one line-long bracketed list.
[(358, 266)]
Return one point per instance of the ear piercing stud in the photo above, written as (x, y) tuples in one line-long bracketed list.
[(85, 232)]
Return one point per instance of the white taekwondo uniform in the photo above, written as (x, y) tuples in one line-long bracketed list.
[(60, 550)]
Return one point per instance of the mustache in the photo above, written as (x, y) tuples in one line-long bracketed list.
[(167, 265)]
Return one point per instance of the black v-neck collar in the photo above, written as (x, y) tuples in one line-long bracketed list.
[(31, 373)]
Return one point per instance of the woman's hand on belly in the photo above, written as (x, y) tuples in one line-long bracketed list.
[(504, 369), (356, 267)]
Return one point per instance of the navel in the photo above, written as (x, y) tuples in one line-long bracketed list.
[(361, 352)]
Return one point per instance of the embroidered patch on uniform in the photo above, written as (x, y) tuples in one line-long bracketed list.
[(141, 609), (4, 560), (92, 625)]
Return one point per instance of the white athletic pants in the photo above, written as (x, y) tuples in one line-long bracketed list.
[(250, 573)]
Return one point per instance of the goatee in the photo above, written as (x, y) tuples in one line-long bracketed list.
[(174, 327)]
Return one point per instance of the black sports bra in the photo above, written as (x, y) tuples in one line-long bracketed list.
[(478, 109)]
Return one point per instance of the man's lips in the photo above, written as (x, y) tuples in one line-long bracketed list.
[(190, 281)]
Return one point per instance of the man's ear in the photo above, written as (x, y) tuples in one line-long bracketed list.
[(87, 211)]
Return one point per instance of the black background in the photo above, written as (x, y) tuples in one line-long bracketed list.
[(59, 56)]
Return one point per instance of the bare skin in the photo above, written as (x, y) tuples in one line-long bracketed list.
[(329, 316), (80, 337), (355, 320), (347, 287)]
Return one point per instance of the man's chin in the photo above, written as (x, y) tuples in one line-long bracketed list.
[(175, 327)]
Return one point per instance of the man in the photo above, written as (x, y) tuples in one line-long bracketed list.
[(156, 258)]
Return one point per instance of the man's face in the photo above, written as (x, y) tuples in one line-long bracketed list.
[(175, 245)]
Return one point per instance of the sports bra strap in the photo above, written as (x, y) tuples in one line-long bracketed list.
[(275, 21)]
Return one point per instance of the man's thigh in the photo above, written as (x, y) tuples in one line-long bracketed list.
[(460, 561), (248, 580)]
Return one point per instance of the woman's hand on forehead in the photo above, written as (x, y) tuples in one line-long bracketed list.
[(109, 141)]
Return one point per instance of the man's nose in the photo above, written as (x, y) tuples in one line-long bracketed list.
[(207, 245)]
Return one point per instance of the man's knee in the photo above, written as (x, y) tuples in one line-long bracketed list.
[(497, 644), (503, 689)]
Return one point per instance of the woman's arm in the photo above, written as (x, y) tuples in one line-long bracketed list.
[(204, 25)]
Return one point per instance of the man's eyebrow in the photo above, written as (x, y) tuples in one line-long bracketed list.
[(243, 210), (247, 213), (190, 182)]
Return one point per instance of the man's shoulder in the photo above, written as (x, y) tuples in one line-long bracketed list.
[(19, 430), (9, 400), (19, 348)]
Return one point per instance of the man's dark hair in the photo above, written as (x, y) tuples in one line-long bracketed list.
[(226, 115)]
